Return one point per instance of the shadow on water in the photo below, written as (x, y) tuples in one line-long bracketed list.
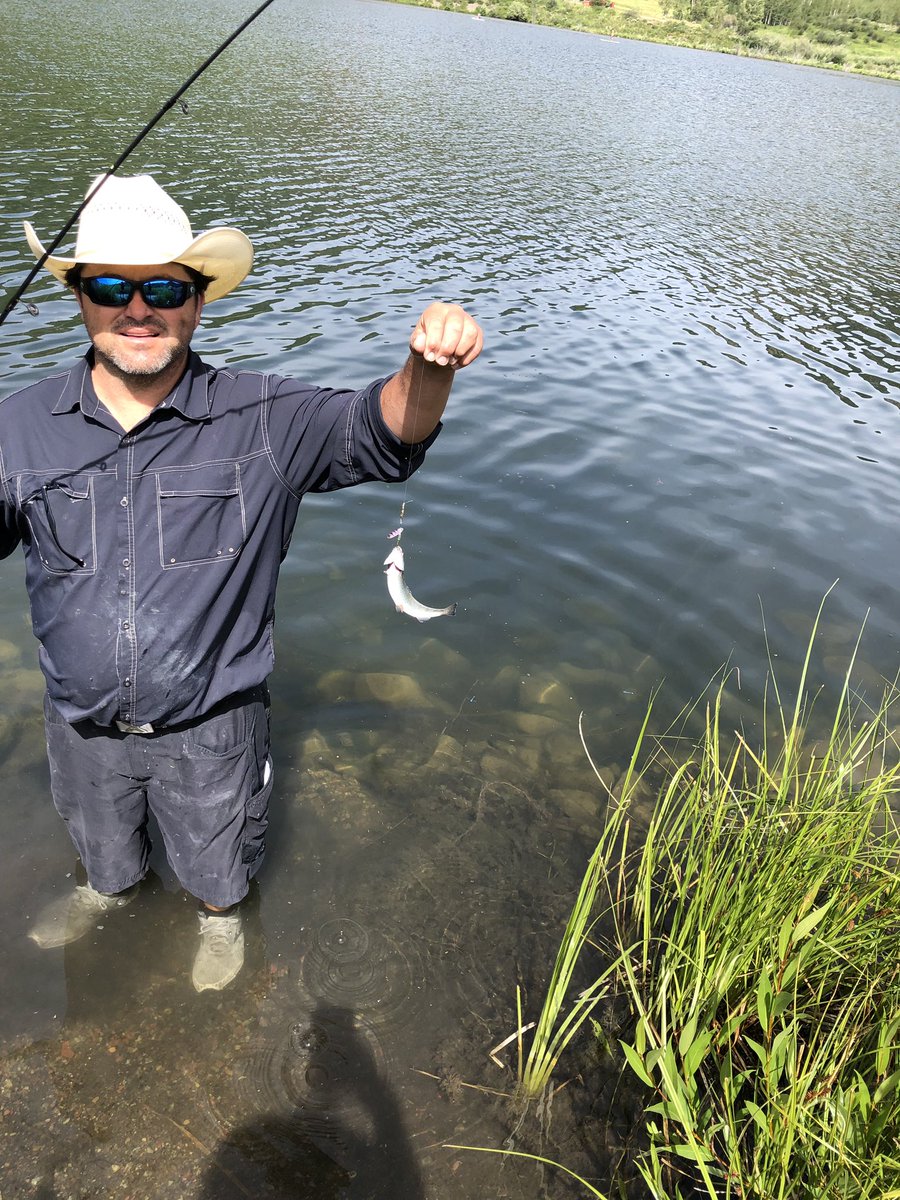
[(177, 1095), (345, 1125)]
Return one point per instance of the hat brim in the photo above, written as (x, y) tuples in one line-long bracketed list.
[(224, 254)]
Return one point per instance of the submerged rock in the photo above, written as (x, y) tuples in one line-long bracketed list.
[(401, 690), (508, 679), (9, 652), (584, 808), (22, 686), (340, 802), (448, 753), (535, 724), (435, 656), (520, 765), (335, 686), (398, 690), (547, 692), (315, 751)]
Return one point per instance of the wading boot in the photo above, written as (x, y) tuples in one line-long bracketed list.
[(221, 954), (70, 917)]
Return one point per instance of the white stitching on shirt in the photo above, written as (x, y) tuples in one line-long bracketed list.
[(348, 439), (264, 426)]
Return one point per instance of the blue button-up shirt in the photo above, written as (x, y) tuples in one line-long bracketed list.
[(152, 556)]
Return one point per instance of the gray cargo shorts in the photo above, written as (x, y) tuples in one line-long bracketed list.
[(207, 782)]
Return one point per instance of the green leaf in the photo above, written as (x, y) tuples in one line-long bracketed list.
[(811, 920), (865, 1096), (693, 1150), (780, 1003), (780, 1054), (784, 936), (763, 999), (687, 1037), (760, 1051), (886, 1087), (640, 1036), (792, 967), (886, 1046), (758, 1115), (666, 1109), (731, 1027), (636, 1063), (697, 1051)]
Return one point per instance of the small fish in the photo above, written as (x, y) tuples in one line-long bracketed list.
[(404, 600)]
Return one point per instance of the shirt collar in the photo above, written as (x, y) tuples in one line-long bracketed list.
[(190, 396)]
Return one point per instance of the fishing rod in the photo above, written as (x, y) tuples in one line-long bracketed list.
[(170, 103)]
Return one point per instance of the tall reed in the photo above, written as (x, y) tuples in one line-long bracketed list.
[(757, 942), (752, 936), (562, 1014)]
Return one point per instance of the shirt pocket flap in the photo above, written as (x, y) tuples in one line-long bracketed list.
[(61, 515), (208, 479), (201, 514)]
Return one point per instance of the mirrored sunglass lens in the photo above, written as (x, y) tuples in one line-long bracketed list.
[(164, 293), (108, 290)]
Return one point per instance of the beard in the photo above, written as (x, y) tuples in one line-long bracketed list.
[(141, 366)]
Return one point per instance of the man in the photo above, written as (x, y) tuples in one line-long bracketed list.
[(155, 498)]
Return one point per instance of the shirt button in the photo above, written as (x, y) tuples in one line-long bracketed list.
[(125, 625), (126, 562), (124, 501), (127, 682)]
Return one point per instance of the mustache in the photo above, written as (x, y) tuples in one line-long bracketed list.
[(124, 324)]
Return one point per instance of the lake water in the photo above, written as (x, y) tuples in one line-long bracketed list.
[(682, 432)]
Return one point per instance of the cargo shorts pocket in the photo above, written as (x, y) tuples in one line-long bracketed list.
[(257, 821), (224, 734)]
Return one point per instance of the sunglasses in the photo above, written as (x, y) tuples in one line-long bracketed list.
[(110, 291)]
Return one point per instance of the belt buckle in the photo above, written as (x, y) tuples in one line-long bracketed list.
[(124, 727)]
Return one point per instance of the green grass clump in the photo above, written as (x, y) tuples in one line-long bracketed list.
[(759, 948), (752, 937)]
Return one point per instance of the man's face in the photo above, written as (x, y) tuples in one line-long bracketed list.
[(137, 341)]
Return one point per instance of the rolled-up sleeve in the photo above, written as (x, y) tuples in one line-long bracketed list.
[(10, 530), (10, 535), (323, 439)]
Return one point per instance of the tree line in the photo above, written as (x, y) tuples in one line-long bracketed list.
[(850, 16)]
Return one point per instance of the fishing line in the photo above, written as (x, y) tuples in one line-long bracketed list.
[(398, 590), (29, 278), (398, 532)]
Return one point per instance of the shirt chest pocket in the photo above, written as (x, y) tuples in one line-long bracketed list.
[(62, 520), (201, 514)]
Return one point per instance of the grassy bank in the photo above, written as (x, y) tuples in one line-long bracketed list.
[(857, 44), (745, 946)]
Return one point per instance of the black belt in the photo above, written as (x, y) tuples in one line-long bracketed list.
[(260, 692)]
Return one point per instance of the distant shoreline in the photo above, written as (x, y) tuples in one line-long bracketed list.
[(847, 53)]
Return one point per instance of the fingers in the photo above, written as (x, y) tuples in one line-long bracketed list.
[(447, 336)]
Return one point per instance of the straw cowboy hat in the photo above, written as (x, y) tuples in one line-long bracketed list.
[(133, 222)]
